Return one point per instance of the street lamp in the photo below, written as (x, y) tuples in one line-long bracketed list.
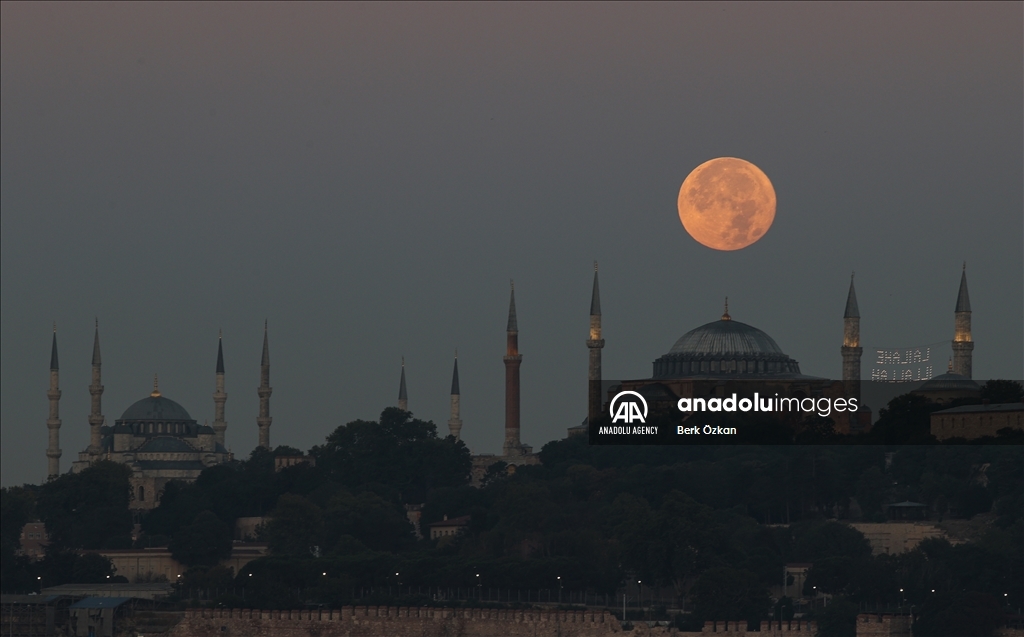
[(640, 591), (559, 578)]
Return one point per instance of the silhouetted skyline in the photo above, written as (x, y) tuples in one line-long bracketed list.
[(369, 177)]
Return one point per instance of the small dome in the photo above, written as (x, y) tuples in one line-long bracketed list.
[(726, 337), (155, 408), (949, 382)]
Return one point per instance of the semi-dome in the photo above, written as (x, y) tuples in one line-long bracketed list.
[(166, 444), (155, 408), (725, 347)]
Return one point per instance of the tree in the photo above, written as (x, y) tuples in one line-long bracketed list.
[(815, 541), (204, 542), (685, 540), (398, 451), (1002, 391), (86, 510), (92, 568), (296, 526), (958, 614), (838, 619), (729, 594)]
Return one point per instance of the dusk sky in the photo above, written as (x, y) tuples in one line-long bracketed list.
[(368, 177)]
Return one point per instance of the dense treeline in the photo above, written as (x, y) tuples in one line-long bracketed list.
[(713, 524)]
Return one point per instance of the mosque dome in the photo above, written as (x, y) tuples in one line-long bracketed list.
[(726, 337), (725, 347), (155, 407), (950, 382)]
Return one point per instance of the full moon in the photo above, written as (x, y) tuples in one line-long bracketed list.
[(727, 203)]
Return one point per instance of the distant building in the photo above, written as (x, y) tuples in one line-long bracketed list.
[(156, 437), (948, 387), (34, 540), (893, 538), (157, 563), (285, 461), (448, 528), (976, 421)]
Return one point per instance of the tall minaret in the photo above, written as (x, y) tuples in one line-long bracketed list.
[(962, 344), (53, 423), (219, 397), (264, 391), (455, 422), (513, 359), (96, 391), (594, 343), (851, 345), (403, 395)]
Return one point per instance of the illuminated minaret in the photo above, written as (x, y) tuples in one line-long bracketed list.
[(851, 345), (962, 344), (53, 423), (219, 397), (513, 359), (264, 391), (595, 343), (403, 395), (455, 422), (96, 392)]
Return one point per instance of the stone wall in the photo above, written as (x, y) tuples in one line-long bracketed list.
[(872, 625), (374, 621)]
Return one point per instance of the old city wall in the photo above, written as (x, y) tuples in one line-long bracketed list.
[(372, 621)]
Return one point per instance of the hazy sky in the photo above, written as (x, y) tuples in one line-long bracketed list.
[(368, 177)]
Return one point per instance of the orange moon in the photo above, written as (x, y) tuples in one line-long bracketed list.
[(727, 203)]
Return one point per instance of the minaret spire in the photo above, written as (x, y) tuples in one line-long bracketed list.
[(851, 349), (263, 420), (455, 422), (403, 394), (513, 359), (53, 451), (96, 392), (219, 396), (595, 344), (963, 345)]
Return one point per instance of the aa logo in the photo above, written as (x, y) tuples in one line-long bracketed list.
[(627, 411)]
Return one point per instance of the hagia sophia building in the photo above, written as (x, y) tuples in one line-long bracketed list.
[(160, 441)]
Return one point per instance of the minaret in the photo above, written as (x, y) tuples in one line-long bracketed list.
[(455, 422), (403, 395), (851, 345), (962, 344), (595, 343), (264, 391), (219, 397), (96, 392), (513, 359), (53, 423)]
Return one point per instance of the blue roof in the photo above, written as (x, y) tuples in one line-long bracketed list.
[(100, 602)]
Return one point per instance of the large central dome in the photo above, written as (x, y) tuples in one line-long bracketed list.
[(156, 408), (725, 348), (725, 337)]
